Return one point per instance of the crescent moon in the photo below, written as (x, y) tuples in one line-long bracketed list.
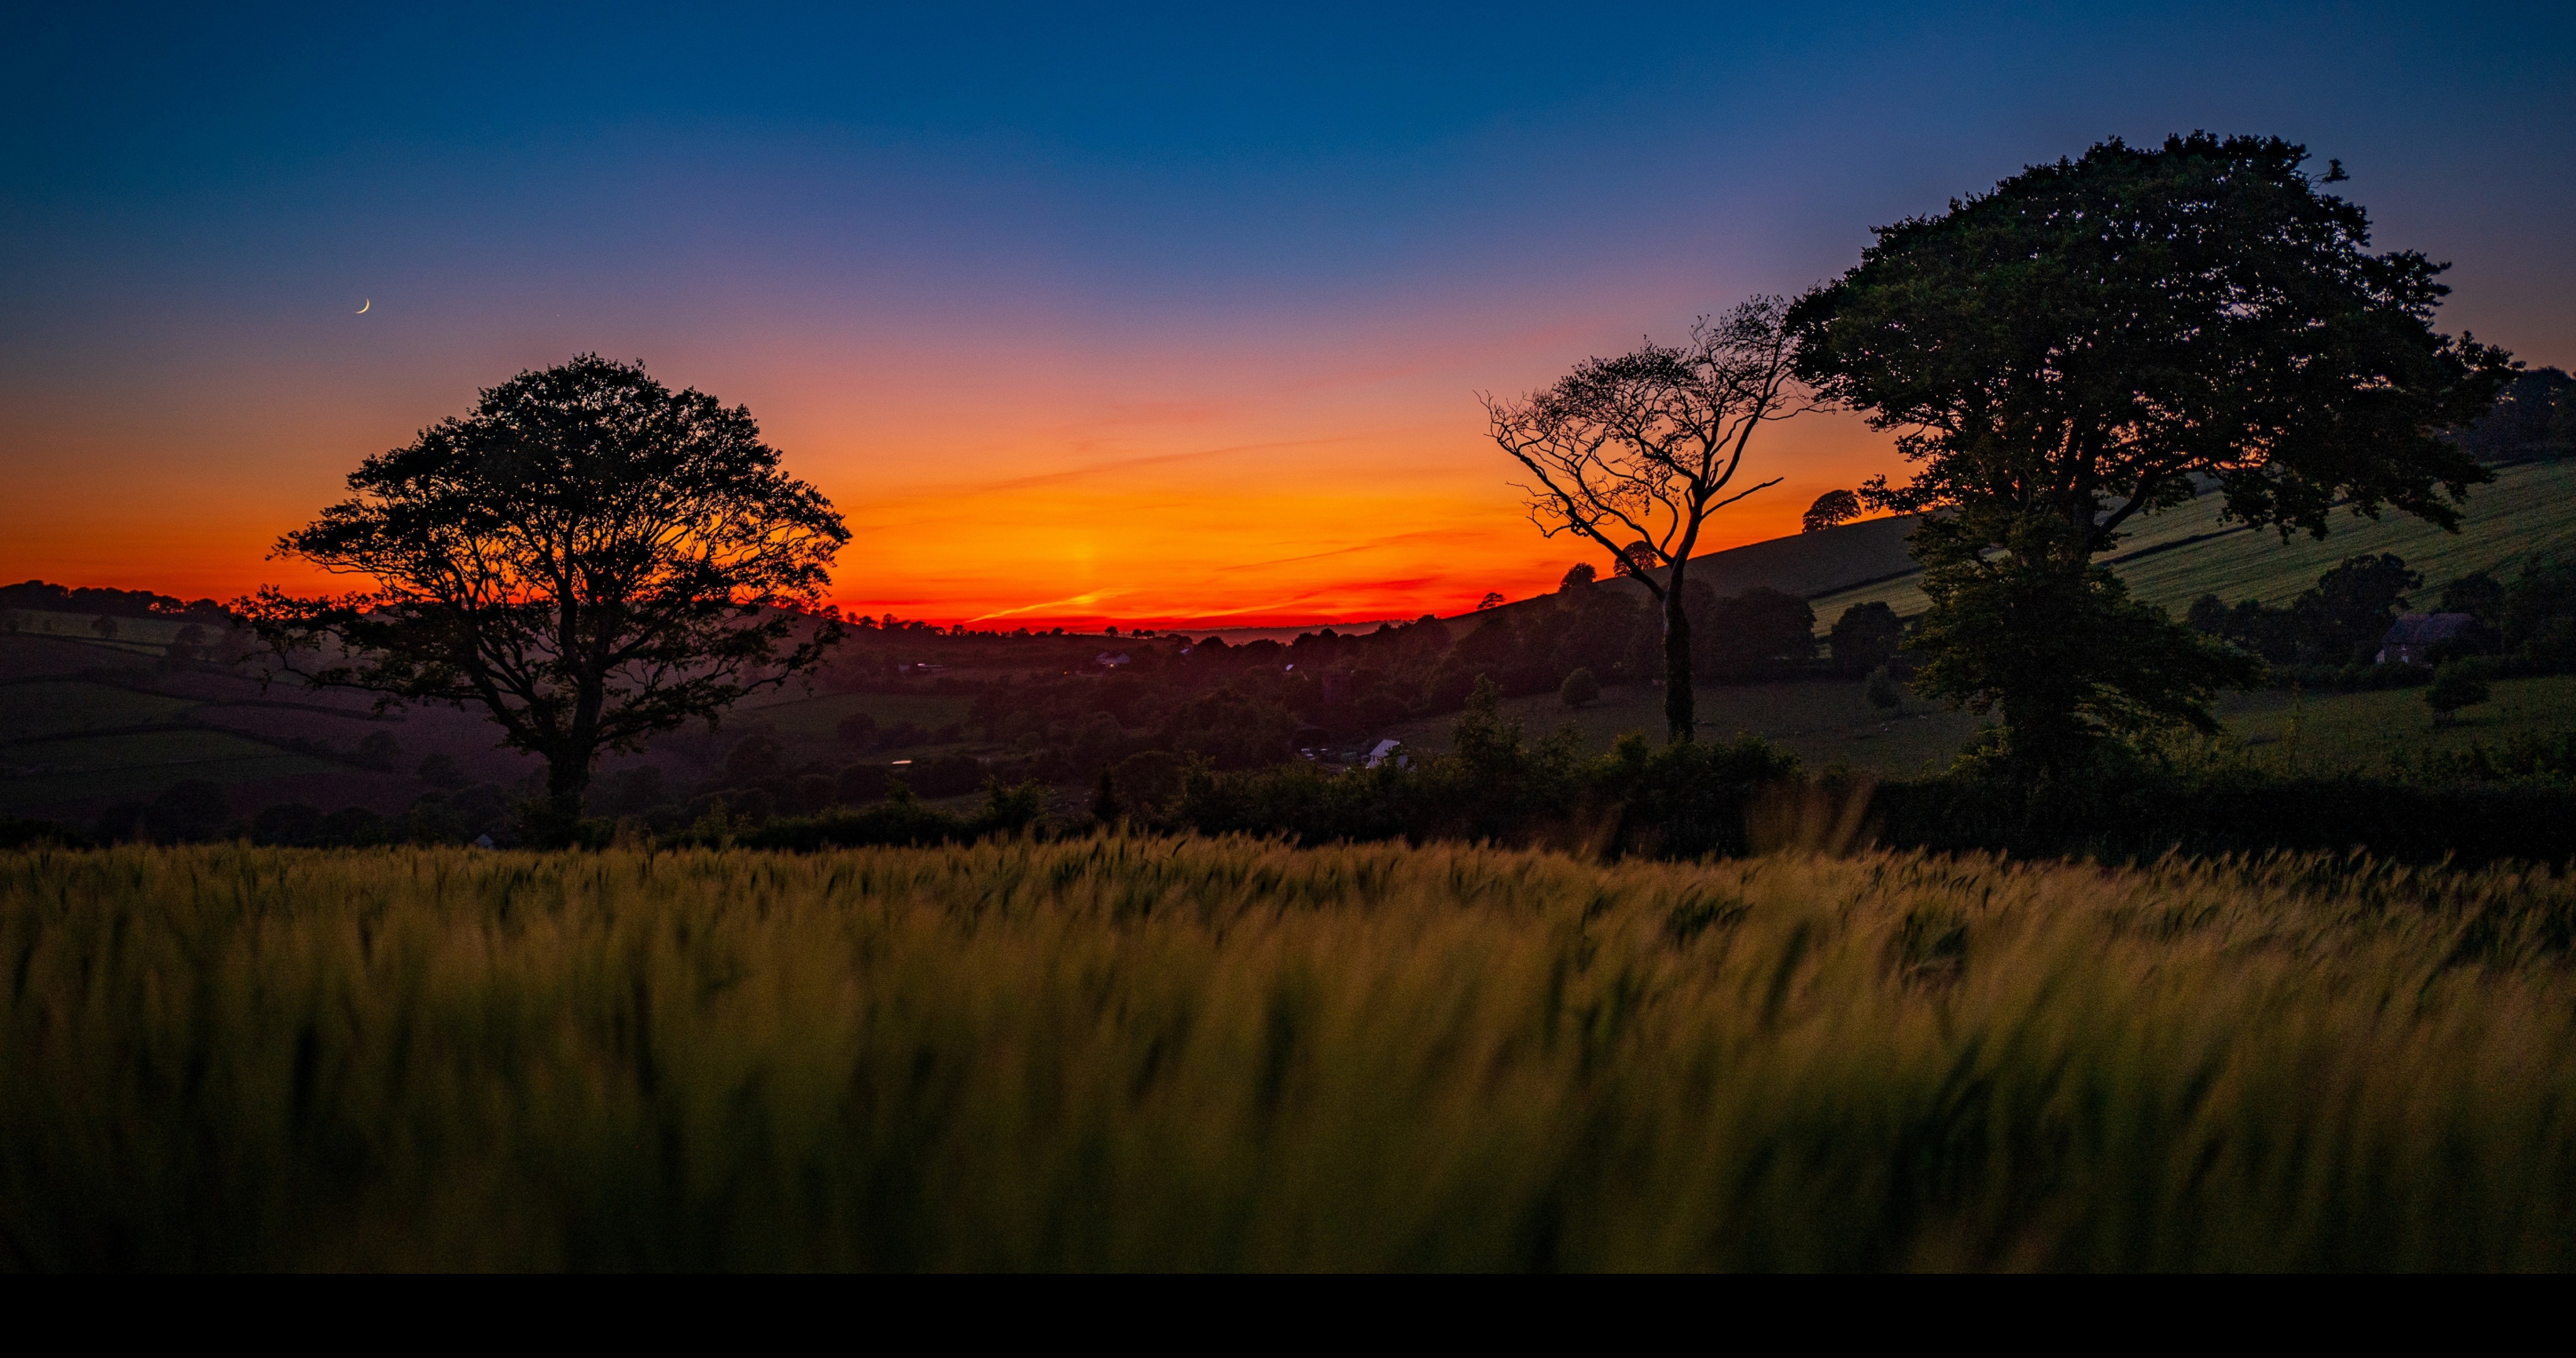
[(362, 307)]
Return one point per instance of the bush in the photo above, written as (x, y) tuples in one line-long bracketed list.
[(943, 775), (901, 819), (288, 823), (1865, 638), (1578, 689), (188, 812), (2457, 684), (1674, 800), (378, 751), (442, 771), (1882, 691)]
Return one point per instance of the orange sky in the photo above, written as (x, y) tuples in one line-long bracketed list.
[(1135, 480), (1086, 316)]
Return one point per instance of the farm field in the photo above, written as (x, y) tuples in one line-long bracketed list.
[(141, 636), (818, 717), (1192, 1054), (2331, 731), (2528, 509), (142, 764), (1822, 722), (1828, 721)]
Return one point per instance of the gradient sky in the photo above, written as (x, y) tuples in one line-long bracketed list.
[(1136, 317)]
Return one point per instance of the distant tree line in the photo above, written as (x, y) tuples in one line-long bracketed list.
[(2534, 420), (40, 596), (2331, 636)]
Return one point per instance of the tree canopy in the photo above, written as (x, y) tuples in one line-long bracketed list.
[(2092, 335), (589, 556), (1831, 508), (2105, 337)]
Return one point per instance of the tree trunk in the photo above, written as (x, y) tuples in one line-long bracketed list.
[(1680, 717), (567, 778)]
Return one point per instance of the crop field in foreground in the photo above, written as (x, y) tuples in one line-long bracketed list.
[(1224, 1054)]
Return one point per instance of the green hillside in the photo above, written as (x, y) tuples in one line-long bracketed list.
[(2187, 552)]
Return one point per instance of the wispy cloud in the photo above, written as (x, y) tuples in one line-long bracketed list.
[(1138, 463), (1077, 601)]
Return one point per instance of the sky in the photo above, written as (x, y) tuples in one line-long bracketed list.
[(1135, 315)]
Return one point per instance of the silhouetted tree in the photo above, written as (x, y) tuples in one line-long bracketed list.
[(1759, 634), (1830, 508), (1578, 576), (2478, 594), (379, 750), (104, 626), (1644, 447), (1492, 599), (2342, 620), (1865, 637), (589, 556), (2090, 341), (1578, 689)]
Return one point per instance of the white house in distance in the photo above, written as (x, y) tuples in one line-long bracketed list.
[(2411, 639)]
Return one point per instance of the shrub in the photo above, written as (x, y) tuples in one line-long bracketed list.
[(1865, 637), (1579, 689), (353, 827), (188, 812), (378, 750), (288, 823), (442, 771), (1882, 691), (2457, 684)]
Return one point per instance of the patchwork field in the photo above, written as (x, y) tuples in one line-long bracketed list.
[(1189, 1054), (2179, 556)]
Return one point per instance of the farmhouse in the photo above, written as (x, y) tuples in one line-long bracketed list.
[(2411, 639)]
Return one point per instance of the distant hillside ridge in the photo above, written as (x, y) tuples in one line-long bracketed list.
[(1809, 565)]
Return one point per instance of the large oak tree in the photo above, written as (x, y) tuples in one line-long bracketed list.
[(589, 556), (2107, 337)]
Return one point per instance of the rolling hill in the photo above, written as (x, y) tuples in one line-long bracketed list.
[(2176, 556)]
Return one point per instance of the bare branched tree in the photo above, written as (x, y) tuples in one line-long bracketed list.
[(1636, 452)]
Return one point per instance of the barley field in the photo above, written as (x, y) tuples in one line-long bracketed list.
[(1196, 1054)]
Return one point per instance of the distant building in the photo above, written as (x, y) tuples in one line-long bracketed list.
[(2411, 639), (1383, 751), (1113, 659)]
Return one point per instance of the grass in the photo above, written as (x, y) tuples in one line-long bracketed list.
[(139, 765), (59, 707), (1217, 1055), (143, 636), (2529, 509), (2361, 731)]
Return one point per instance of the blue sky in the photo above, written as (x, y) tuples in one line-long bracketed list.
[(1033, 242)]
